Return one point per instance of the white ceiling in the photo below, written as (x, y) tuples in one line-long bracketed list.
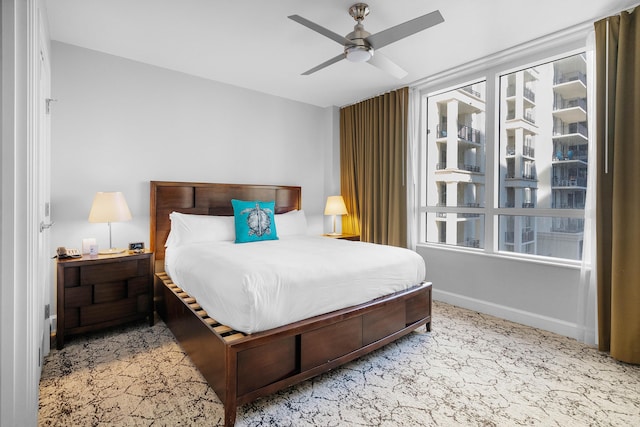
[(252, 44)]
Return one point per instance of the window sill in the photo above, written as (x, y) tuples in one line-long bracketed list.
[(571, 264)]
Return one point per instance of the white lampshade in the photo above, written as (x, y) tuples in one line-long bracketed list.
[(335, 206), (109, 207)]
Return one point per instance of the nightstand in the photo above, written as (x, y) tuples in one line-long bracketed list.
[(353, 237), (96, 292)]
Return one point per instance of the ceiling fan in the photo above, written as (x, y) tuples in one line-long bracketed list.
[(360, 45)]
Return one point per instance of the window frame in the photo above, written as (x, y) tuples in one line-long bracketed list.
[(490, 69)]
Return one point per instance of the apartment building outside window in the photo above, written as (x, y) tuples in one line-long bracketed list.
[(540, 145)]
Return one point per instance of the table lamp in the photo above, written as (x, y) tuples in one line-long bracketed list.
[(109, 207), (335, 206)]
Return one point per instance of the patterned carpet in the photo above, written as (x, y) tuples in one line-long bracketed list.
[(471, 370)]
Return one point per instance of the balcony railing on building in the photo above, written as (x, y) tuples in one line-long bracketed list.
[(526, 151), (570, 77), (470, 214), (461, 166), (528, 115), (470, 90), (571, 103), (568, 225), (468, 167), (580, 155), (465, 133), (526, 177), (529, 94), (470, 243), (571, 128), (512, 204), (565, 205), (569, 182)]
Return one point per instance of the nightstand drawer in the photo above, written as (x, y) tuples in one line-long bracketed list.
[(98, 313), (107, 292), (113, 272)]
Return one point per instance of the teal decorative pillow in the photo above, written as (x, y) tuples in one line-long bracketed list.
[(254, 220)]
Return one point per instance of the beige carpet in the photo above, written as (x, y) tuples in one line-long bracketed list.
[(471, 370)]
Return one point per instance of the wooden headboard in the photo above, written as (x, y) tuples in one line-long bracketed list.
[(207, 199)]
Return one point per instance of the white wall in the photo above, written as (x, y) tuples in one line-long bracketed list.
[(119, 124)]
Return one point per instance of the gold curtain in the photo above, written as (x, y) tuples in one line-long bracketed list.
[(373, 142), (618, 191)]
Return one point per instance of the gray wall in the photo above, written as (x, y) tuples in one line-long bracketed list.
[(543, 295)]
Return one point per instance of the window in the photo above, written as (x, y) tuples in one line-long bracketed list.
[(539, 144), (456, 144)]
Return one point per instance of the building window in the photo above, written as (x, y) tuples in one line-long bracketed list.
[(540, 145)]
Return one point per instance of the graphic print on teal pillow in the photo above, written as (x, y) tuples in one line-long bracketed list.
[(254, 220)]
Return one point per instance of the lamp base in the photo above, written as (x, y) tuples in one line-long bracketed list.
[(111, 251), (334, 234)]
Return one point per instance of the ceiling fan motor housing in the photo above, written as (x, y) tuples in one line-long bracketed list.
[(360, 50)]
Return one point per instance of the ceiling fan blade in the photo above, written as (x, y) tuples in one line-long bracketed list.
[(319, 29), (324, 64), (385, 64), (400, 31)]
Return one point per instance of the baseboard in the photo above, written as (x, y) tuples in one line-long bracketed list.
[(539, 321)]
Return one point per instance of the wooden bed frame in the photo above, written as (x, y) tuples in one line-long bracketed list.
[(241, 368)]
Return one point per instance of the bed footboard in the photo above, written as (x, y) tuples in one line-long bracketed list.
[(241, 368)]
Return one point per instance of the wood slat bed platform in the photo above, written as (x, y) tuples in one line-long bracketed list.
[(226, 333), (240, 367)]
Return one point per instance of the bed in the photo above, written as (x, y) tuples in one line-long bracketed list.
[(241, 366)]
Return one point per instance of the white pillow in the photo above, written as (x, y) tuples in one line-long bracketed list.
[(291, 223), (186, 228)]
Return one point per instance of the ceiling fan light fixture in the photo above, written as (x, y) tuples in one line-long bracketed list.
[(358, 53)]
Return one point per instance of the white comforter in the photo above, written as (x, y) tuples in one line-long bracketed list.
[(253, 287)]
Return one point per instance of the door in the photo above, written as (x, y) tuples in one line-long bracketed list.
[(44, 265)]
